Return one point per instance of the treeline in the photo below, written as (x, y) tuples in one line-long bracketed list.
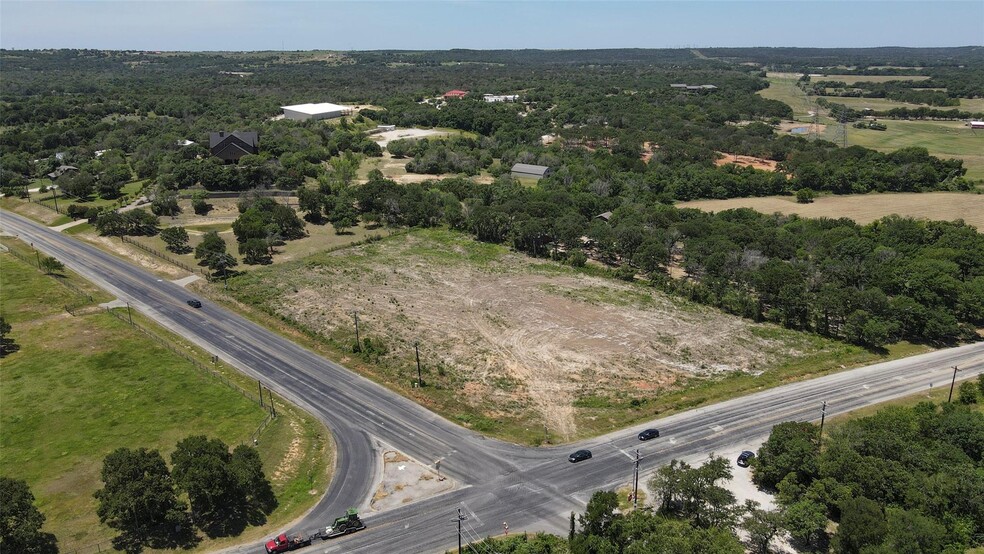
[(894, 279), (840, 112), (902, 480), (913, 92)]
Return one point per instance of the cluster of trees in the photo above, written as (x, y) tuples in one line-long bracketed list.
[(262, 224), (128, 223), (456, 155), (21, 521), (692, 513), (226, 491), (902, 480)]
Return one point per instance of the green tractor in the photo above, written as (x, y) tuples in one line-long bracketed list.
[(348, 523)]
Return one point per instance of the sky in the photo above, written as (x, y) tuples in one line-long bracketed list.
[(195, 25)]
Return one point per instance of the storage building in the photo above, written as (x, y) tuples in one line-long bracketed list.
[(324, 110), (531, 171)]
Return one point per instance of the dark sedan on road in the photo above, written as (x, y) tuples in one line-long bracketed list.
[(648, 434), (579, 456), (745, 458), (194, 303)]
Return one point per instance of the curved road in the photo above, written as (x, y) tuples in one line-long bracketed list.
[(531, 488)]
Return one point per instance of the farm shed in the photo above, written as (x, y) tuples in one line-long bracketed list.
[(977, 124), (232, 146), (324, 110), (529, 170), (455, 93)]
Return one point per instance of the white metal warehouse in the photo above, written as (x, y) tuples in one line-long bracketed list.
[(325, 110)]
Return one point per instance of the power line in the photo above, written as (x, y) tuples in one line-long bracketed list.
[(461, 517)]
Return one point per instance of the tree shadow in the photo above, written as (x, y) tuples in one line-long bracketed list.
[(8, 346)]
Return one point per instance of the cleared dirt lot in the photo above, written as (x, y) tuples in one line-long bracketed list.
[(864, 208), (517, 335)]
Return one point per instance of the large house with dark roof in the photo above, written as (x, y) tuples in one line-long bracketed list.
[(232, 146)]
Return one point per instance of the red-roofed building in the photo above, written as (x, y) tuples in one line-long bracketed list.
[(455, 93)]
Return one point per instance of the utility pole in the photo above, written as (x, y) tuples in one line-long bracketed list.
[(128, 314), (952, 382), (54, 195), (416, 349), (38, 254), (260, 385), (635, 482), (358, 342), (461, 517), (823, 415), (273, 409)]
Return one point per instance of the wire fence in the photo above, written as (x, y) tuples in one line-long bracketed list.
[(84, 297), (163, 256), (211, 371)]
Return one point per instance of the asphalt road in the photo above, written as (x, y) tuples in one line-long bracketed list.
[(530, 488)]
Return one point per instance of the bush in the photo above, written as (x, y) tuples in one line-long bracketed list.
[(577, 258), (968, 393), (804, 196)]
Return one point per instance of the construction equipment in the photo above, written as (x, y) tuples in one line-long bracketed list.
[(348, 523)]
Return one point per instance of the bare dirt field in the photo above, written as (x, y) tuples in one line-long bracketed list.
[(864, 208), (384, 138), (746, 161), (513, 334)]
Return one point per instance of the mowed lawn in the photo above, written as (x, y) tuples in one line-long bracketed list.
[(80, 387), (863, 208)]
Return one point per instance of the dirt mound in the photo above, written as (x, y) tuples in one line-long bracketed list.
[(747, 161)]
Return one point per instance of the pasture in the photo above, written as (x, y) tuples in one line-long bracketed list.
[(863, 208), (944, 139)]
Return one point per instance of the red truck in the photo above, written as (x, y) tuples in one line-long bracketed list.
[(283, 543)]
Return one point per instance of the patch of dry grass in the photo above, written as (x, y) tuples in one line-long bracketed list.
[(863, 208)]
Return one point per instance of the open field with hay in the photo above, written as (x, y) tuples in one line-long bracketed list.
[(863, 208)]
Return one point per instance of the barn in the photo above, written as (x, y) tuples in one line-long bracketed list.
[(324, 110), (531, 171)]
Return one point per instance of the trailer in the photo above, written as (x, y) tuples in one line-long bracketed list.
[(349, 523)]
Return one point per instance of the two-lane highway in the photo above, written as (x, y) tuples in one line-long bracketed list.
[(531, 488)]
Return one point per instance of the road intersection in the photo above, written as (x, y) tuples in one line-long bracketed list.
[(531, 488)]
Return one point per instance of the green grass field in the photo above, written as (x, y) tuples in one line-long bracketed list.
[(946, 139), (80, 387)]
